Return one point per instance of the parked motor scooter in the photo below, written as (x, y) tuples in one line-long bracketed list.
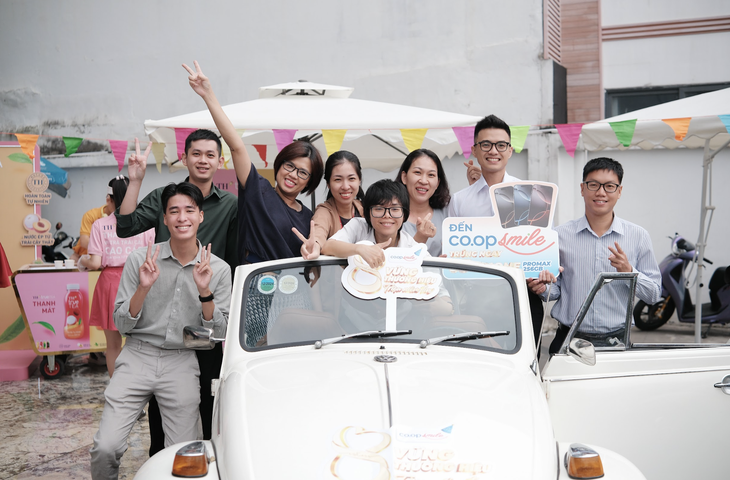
[(675, 294), (61, 242)]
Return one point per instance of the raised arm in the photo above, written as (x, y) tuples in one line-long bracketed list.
[(136, 168), (201, 85)]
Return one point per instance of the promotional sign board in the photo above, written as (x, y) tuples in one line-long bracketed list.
[(519, 235)]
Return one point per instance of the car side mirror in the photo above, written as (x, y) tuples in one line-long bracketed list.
[(582, 350), (199, 338)]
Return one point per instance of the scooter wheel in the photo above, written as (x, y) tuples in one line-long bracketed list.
[(52, 374), (651, 317)]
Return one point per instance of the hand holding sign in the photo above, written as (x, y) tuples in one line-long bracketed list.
[(373, 254)]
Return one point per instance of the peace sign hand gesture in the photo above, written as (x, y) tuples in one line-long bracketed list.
[(310, 249), (202, 273), (198, 81), (149, 271), (137, 164)]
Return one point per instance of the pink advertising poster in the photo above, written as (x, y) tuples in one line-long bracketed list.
[(56, 306)]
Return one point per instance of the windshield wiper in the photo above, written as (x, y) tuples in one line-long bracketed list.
[(461, 337), (371, 334)]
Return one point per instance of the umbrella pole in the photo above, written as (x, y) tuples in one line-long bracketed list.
[(702, 239)]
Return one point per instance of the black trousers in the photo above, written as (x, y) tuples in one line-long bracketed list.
[(210, 367), (537, 311)]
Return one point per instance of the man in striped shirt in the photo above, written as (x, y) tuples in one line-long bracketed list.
[(599, 242)]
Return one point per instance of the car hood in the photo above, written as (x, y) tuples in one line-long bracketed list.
[(312, 414)]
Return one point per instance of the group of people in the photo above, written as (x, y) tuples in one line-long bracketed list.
[(202, 233)]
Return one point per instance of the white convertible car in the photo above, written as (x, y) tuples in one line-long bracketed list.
[(430, 372)]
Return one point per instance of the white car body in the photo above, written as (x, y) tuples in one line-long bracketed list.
[(295, 411)]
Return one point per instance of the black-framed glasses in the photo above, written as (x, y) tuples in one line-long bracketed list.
[(609, 187), (379, 212), (486, 146), (301, 173)]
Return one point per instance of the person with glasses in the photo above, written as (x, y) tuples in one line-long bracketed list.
[(599, 242), (385, 206), (267, 214)]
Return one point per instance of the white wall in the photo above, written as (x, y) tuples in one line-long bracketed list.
[(626, 12)]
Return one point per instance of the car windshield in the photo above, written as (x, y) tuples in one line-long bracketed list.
[(302, 304)]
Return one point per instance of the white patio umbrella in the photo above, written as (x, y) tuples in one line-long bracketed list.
[(373, 128), (706, 130)]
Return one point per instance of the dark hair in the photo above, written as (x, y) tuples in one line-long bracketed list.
[(441, 197), (604, 163), (182, 188), (203, 134), (491, 121), (338, 158), (302, 149), (119, 189), (383, 192)]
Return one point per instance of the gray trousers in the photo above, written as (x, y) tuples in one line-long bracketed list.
[(143, 370)]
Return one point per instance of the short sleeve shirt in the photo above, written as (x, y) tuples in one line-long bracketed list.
[(112, 249), (433, 243), (356, 230)]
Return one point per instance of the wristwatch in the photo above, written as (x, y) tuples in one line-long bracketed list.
[(209, 298)]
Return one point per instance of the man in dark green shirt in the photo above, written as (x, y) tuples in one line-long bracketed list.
[(202, 157)]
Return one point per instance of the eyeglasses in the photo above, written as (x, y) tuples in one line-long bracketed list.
[(596, 186), (486, 146), (301, 173), (379, 212)]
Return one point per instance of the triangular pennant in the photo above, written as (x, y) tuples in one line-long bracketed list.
[(569, 134), (158, 150), (519, 135), (119, 149), (465, 136), (679, 125), (261, 149), (725, 119), (624, 131), (27, 143), (181, 134), (413, 137), (283, 138), (333, 140), (72, 144)]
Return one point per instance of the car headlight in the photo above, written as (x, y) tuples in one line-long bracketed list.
[(191, 461), (583, 462)]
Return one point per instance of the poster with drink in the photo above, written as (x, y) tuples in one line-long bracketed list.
[(56, 306), (518, 235)]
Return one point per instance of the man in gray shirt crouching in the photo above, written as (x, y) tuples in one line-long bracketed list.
[(163, 289)]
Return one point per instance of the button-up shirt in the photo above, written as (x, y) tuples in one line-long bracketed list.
[(474, 200), (219, 226), (172, 302), (584, 255)]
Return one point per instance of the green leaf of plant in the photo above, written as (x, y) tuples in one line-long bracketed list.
[(20, 158), (46, 325), (13, 330)]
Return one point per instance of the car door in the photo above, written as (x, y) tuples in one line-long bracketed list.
[(657, 405)]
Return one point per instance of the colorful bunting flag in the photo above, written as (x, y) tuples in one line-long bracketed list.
[(158, 150), (569, 134), (225, 153), (27, 143), (181, 134), (624, 131), (72, 144), (283, 138), (333, 140), (261, 149), (725, 119), (679, 125), (519, 136), (413, 137), (465, 136), (119, 149)]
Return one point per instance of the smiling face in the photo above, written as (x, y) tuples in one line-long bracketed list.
[(289, 183), (182, 217), (492, 162), (600, 203), (421, 179), (202, 160), (386, 226), (344, 183)]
